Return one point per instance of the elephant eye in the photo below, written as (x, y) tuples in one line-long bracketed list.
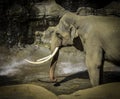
[(59, 35)]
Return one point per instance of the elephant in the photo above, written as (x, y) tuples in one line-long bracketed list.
[(100, 37)]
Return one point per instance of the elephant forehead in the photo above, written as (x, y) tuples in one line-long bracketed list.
[(62, 28), (62, 31)]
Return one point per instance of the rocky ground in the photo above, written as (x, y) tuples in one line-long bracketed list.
[(71, 70)]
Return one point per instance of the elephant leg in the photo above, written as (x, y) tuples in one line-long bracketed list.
[(94, 62)]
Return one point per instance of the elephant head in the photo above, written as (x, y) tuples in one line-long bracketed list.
[(61, 37)]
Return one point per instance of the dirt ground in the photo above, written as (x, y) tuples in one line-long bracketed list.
[(71, 70)]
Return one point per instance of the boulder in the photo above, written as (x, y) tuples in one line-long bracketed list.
[(48, 9), (25, 91), (106, 91), (113, 8)]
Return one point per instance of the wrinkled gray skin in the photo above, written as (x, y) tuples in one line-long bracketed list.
[(47, 34), (100, 38)]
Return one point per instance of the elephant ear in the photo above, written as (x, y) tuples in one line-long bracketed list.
[(73, 31)]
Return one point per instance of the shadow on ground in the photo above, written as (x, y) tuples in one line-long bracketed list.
[(80, 75), (109, 77), (65, 84), (5, 80)]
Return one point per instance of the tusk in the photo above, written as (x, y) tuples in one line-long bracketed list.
[(45, 58), (32, 62), (55, 51), (50, 56)]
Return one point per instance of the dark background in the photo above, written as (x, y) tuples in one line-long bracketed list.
[(15, 24)]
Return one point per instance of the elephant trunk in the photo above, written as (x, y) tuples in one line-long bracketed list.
[(53, 67), (55, 42)]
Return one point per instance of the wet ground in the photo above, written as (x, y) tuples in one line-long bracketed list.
[(71, 70)]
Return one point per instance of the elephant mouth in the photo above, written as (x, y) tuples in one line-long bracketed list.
[(45, 59)]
